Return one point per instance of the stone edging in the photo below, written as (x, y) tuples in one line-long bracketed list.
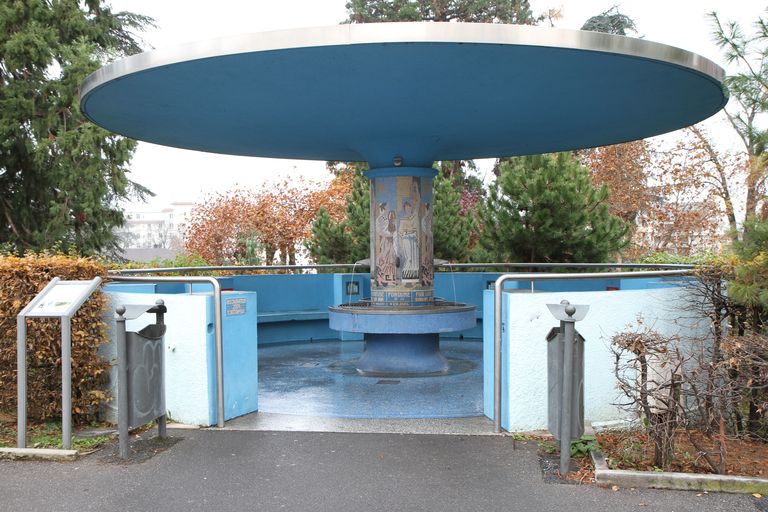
[(680, 481), (49, 454)]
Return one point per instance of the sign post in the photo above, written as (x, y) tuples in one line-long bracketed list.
[(59, 299)]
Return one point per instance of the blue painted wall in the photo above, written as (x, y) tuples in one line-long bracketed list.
[(241, 360), (294, 307), (488, 360)]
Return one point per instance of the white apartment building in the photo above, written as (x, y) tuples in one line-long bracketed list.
[(162, 230)]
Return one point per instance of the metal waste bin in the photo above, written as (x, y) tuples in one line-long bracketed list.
[(565, 375), (141, 372), (555, 352)]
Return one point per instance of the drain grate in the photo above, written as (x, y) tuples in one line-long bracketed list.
[(387, 381)]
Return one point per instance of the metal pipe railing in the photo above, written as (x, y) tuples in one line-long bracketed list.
[(498, 288), (674, 266), (449, 266), (217, 326), (231, 268)]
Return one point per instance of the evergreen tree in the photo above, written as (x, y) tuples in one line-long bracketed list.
[(330, 242), (347, 241), (451, 231), (470, 11), (610, 22), (358, 221), (748, 101), (60, 176), (543, 208)]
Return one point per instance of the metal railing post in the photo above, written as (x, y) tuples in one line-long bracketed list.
[(497, 288), (219, 339)]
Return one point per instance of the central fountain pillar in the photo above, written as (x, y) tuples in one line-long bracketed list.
[(403, 320), (402, 268)]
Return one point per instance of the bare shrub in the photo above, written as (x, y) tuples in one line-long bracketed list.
[(648, 369)]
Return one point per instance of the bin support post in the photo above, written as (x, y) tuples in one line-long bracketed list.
[(565, 418), (122, 383), (161, 421)]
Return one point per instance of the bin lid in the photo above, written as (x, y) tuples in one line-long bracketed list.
[(133, 311)]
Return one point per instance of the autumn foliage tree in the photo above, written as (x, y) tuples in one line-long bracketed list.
[(277, 217), (748, 103), (674, 198), (622, 168)]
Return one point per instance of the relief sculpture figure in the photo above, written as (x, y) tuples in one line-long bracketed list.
[(386, 270), (409, 242)]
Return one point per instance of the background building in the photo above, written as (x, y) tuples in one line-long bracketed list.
[(149, 235)]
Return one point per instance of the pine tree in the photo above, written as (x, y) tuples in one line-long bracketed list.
[(451, 231), (358, 221), (346, 241), (543, 208), (610, 22), (748, 101), (330, 242), (61, 177)]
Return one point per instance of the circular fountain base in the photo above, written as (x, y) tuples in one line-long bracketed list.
[(402, 354), (402, 341)]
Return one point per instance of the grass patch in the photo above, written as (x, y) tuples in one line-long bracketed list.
[(48, 435)]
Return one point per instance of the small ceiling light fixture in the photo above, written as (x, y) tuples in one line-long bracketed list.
[(397, 161)]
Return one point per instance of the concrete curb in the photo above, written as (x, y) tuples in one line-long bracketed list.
[(679, 481), (49, 454)]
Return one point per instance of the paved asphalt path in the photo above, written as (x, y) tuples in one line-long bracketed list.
[(300, 471)]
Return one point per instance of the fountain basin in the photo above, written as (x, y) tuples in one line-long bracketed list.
[(402, 340)]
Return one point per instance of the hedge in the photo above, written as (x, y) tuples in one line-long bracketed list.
[(20, 280)]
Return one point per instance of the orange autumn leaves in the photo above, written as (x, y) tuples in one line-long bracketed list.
[(678, 199), (277, 215)]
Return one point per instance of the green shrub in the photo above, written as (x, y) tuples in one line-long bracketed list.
[(20, 280)]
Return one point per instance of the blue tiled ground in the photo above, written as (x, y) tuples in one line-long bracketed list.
[(319, 379)]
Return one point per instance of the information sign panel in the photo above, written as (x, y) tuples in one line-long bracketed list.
[(59, 299)]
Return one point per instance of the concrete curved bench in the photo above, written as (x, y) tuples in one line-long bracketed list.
[(288, 316)]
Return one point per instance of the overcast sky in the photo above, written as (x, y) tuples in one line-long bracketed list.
[(182, 175)]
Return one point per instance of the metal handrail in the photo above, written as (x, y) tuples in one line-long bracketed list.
[(498, 288), (217, 326), (568, 265), (449, 266), (215, 268)]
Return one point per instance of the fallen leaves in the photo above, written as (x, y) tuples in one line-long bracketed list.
[(633, 450)]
